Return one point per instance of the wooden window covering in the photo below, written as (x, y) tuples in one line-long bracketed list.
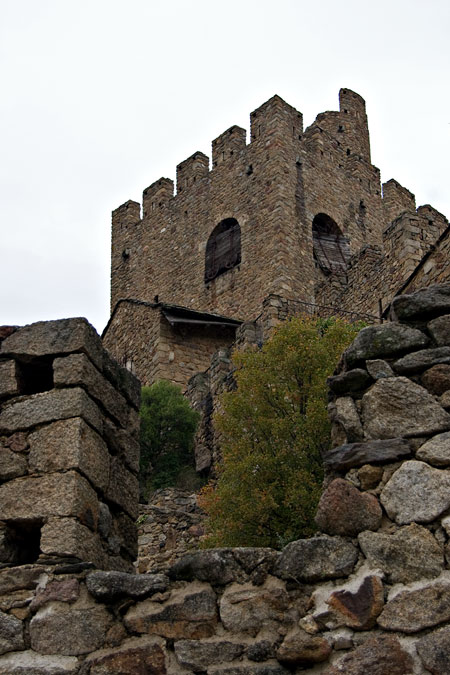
[(223, 250), (331, 249)]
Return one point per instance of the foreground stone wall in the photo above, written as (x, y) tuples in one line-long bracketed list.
[(370, 593), (69, 450)]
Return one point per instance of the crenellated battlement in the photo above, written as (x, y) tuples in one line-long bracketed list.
[(228, 144)]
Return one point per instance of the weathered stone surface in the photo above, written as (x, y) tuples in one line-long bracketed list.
[(255, 559), (123, 488), (60, 629), (70, 444), (31, 663), (50, 406), (12, 465), (111, 586), (410, 554), (423, 303), (434, 650), (359, 609), (437, 379), (436, 451), (369, 476), (11, 633), (76, 369), (217, 566), (199, 654), (425, 358), (444, 400), (261, 650), (9, 385), (125, 529), (416, 493), (190, 613), (58, 494), (381, 655), (122, 444), (17, 578), (377, 368), (346, 511), (246, 608), (351, 381), (268, 668), (301, 649), (66, 590), (318, 558), (63, 336), (440, 329), (66, 537), (347, 416), (413, 610), (350, 455), (389, 339), (17, 442), (122, 379), (387, 407), (134, 656)]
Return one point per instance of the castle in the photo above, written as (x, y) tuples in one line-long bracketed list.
[(298, 215)]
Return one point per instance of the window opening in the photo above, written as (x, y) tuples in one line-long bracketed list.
[(330, 248), (223, 250)]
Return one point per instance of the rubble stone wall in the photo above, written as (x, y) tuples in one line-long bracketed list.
[(370, 593), (69, 448)]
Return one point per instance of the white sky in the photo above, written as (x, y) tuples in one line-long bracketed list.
[(99, 98)]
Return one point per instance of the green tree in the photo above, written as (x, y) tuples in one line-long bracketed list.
[(168, 425), (274, 429)]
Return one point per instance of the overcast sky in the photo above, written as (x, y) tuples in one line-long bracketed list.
[(99, 98)]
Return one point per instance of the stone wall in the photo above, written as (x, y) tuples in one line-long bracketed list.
[(169, 526), (69, 450), (370, 593)]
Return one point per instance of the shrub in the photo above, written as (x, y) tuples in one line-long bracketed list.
[(168, 425), (274, 429)]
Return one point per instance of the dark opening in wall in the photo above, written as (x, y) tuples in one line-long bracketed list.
[(20, 542), (35, 375), (223, 250), (330, 248)]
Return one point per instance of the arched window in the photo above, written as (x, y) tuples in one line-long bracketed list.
[(331, 249), (223, 250)]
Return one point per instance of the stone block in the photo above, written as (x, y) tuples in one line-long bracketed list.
[(350, 455), (427, 302), (358, 606), (199, 654), (316, 559), (189, 613), (424, 358), (440, 330), (113, 586), (76, 369), (19, 578), (437, 379), (121, 378), (123, 488), (50, 406), (31, 663), (12, 465), (9, 385), (247, 609), (65, 537), (11, 633), (65, 590), (345, 511), (301, 649), (409, 554), (70, 444), (387, 408), (389, 339), (122, 443), (133, 657), (379, 655), (48, 338), (351, 381), (434, 651), (410, 611), (57, 494), (378, 369), (416, 493), (58, 628), (436, 451)]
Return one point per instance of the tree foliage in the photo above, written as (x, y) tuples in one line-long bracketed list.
[(168, 425), (274, 429)]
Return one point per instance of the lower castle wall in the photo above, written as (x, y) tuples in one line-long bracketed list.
[(370, 593)]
